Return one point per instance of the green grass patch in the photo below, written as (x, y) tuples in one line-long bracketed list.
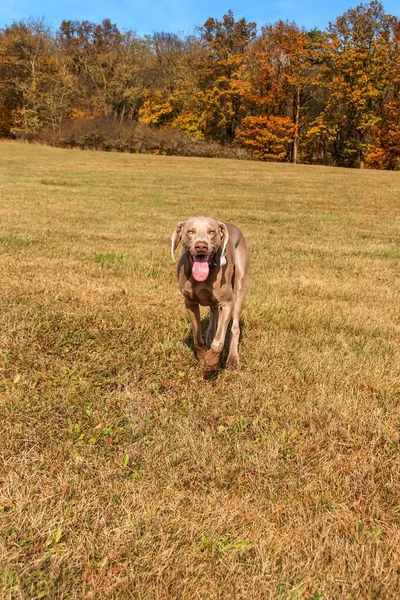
[(111, 260), (15, 241)]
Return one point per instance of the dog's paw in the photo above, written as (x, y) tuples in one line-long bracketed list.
[(201, 355), (232, 362), (211, 360)]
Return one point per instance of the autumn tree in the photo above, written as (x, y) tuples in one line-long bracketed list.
[(107, 67), (283, 70), (384, 150), (129, 77), (35, 88), (266, 137), (171, 86), (222, 75), (358, 64)]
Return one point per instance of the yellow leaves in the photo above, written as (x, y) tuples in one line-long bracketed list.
[(25, 120), (190, 123), (319, 128), (171, 111), (156, 109)]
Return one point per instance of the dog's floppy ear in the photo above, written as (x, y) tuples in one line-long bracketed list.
[(225, 239), (176, 238)]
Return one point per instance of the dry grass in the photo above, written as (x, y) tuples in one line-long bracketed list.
[(126, 475)]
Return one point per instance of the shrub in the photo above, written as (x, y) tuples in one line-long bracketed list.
[(111, 136)]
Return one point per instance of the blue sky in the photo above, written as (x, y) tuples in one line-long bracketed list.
[(180, 16)]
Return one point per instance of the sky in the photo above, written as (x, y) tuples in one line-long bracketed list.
[(180, 16)]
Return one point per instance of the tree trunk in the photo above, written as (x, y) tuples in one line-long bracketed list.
[(362, 154), (296, 128)]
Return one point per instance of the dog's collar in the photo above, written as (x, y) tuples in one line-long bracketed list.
[(211, 259)]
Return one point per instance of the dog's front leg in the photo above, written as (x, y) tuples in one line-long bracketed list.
[(193, 311), (213, 354), (212, 327)]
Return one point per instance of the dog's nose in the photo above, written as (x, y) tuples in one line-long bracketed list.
[(201, 247)]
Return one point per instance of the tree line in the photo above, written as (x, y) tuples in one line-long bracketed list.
[(280, 92)]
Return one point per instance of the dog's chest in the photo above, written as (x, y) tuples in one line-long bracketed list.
[(199, 292), (216, 289)]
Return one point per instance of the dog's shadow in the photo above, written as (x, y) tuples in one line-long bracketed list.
[(205, 321)]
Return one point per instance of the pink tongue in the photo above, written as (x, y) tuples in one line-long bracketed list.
[(200, 269)]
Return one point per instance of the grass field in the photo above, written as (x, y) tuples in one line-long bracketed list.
[(125, 474)]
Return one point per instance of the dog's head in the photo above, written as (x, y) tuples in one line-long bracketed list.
[(201, 238)]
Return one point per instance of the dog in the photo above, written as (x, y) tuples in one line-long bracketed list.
[(212, 272)]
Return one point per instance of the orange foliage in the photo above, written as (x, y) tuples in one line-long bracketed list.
[(268, 138)]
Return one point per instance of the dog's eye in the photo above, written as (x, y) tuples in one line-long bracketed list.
[(190, 232), (212, 232)]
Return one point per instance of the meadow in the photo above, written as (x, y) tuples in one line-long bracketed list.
[(124, 473)]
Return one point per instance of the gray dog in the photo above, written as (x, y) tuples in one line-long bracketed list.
[(212, 272)]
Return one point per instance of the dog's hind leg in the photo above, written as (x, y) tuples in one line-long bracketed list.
[(242, 261), (233, 357)]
